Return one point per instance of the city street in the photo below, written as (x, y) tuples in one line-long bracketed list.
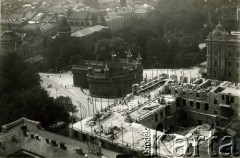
[(62, 85)]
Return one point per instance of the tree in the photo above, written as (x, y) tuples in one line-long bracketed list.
[(102, 50), (66, 103), (21, 95)]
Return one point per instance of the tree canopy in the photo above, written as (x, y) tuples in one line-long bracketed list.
[(22, 96)]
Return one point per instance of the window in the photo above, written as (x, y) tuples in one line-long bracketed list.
[(222, 97), (232, 99), (206, 107), (229, 64), (229, 74), (237, 64), (215, 63), (156, 118), (215, 101), (191, 103), (215, 112), (184, 102), (237, 53), (176, 91), (198, 95), (216, 52), (229, 53), (184, 93), (215, 73), (198, 105), (161, 115)]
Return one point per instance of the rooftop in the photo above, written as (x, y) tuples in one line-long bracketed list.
[(88, 31), (83, 15), (13, 139), (38, 17), (112, 17)]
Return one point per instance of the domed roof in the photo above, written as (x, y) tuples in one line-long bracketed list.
[(64, 26), (219, 31), (10, 37)]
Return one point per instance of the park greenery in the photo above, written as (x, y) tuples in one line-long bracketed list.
[(22, 96), (168, 37)]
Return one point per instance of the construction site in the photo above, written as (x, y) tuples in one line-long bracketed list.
[(171, 108)]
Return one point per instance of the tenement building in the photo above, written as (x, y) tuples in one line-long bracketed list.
[(223, 55), (109, 79)]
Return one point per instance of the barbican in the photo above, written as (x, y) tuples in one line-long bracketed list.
[(110, 79)]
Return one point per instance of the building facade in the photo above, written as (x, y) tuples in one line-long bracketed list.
[(111, 79), (223, 55), (11, 43)]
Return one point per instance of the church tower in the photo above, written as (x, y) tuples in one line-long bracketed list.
[(64, 30)]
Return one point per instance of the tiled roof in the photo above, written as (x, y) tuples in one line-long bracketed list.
[(13, 139)]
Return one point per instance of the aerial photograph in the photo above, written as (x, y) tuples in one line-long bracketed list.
[(119, 78)]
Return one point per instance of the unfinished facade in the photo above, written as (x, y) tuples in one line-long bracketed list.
[(163, 104)]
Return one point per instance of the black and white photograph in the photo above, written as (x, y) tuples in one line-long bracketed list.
[(119, 78)]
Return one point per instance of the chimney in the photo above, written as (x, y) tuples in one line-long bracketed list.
[(37, 137), (32, 136), (14, 139), (24, 127), (47, 140), (62, 146), (25, 133), (54, 142)]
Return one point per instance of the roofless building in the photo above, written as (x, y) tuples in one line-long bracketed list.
[(109, 79)]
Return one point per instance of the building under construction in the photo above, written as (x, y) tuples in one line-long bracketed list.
[(165, 105)]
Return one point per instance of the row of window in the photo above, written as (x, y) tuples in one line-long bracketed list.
[(76, 23), (229, 75), (229, 64), (229, 53), (198, 105)]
